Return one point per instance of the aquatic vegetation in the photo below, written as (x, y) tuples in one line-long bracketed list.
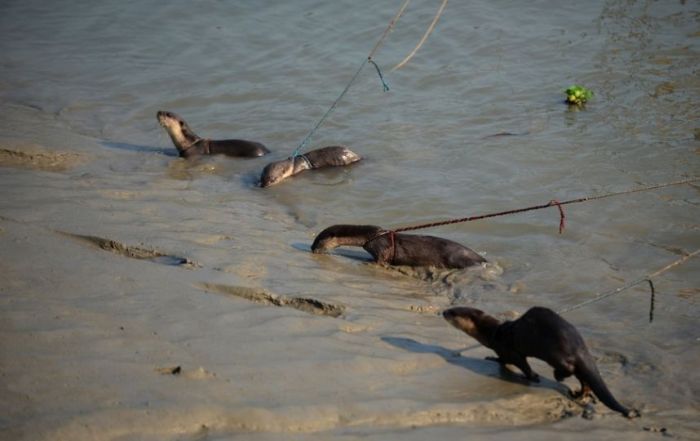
[(577, 95)]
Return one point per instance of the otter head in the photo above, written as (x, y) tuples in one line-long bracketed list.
[(183, 137), (474, 322), (275, 172), (343, 235)]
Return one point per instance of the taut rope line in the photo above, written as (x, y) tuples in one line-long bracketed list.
[(646, 278), (551, 203), (376, 47)]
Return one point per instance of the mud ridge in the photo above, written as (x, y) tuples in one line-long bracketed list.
[(133, 252), (306, 304), (40, 160)]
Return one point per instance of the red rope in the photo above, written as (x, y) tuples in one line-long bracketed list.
[(392, 238), (562, 216), (551, 203)]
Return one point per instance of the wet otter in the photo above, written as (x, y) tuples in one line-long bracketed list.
[(188, 144), (333, 156), (397, 249), (539, 333)]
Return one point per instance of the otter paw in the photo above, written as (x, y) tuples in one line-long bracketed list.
[(586, 400), (533, 377), (633, 413), (575, 394)]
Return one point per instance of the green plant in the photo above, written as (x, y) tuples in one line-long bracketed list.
[(578, 95)]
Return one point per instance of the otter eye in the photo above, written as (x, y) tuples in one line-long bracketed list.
[(182, 123)]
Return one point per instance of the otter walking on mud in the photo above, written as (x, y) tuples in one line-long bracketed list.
[(333, 156), (397, 249), (543, 334), (188, 144)]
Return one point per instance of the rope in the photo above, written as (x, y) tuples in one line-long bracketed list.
[(376, 47), (547, 205), (422, 40), (651, 300), (379, 72), (646, 278)]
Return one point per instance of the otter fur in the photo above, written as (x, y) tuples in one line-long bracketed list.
[(188, 144), (403, 249), (539, 333), (332, 156)]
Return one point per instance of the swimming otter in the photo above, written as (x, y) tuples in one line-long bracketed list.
[(188, 144), (396, 248), (333, 156), (539, 333)]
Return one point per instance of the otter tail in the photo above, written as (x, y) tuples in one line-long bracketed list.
[(587, 372)]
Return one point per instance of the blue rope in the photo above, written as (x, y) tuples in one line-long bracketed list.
[(303, 144), (376, 47), (381, 77)]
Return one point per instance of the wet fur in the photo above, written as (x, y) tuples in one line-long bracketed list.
[(332, 156), (188, 144), (539, 333), (411, 250)]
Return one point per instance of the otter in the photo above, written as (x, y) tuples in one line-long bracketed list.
[(389, 248), (332, 156), (188, 144), (543, 334)]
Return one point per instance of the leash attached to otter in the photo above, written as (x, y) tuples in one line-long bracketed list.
[(648, 278), (369, 59), (551, 203)]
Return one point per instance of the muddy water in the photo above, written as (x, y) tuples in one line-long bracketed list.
[(121, 262)]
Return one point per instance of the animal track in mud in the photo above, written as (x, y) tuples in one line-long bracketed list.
[(133, 252), (306, 304)]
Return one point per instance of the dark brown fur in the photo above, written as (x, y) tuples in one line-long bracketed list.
[(539, 333), (408, 249), (188, 144)]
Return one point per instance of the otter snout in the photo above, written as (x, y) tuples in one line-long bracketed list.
[(169, 120), (463, 318), (320, 246), (452, 317), (162, 115), (275, 172), (448, 314)]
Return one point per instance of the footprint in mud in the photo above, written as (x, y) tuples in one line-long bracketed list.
[(306, 304), (132, 251)]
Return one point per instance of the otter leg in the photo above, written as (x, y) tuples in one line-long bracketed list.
[(522, 364), (561, 374), (585, 394)]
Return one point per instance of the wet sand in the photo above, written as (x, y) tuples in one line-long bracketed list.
[(123, 318), (147, 297)]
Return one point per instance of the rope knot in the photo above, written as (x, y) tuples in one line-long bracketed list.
[(379, 72), (562, 216), (392, 241)]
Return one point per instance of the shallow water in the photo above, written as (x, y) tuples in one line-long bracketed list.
[(81, 153)]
